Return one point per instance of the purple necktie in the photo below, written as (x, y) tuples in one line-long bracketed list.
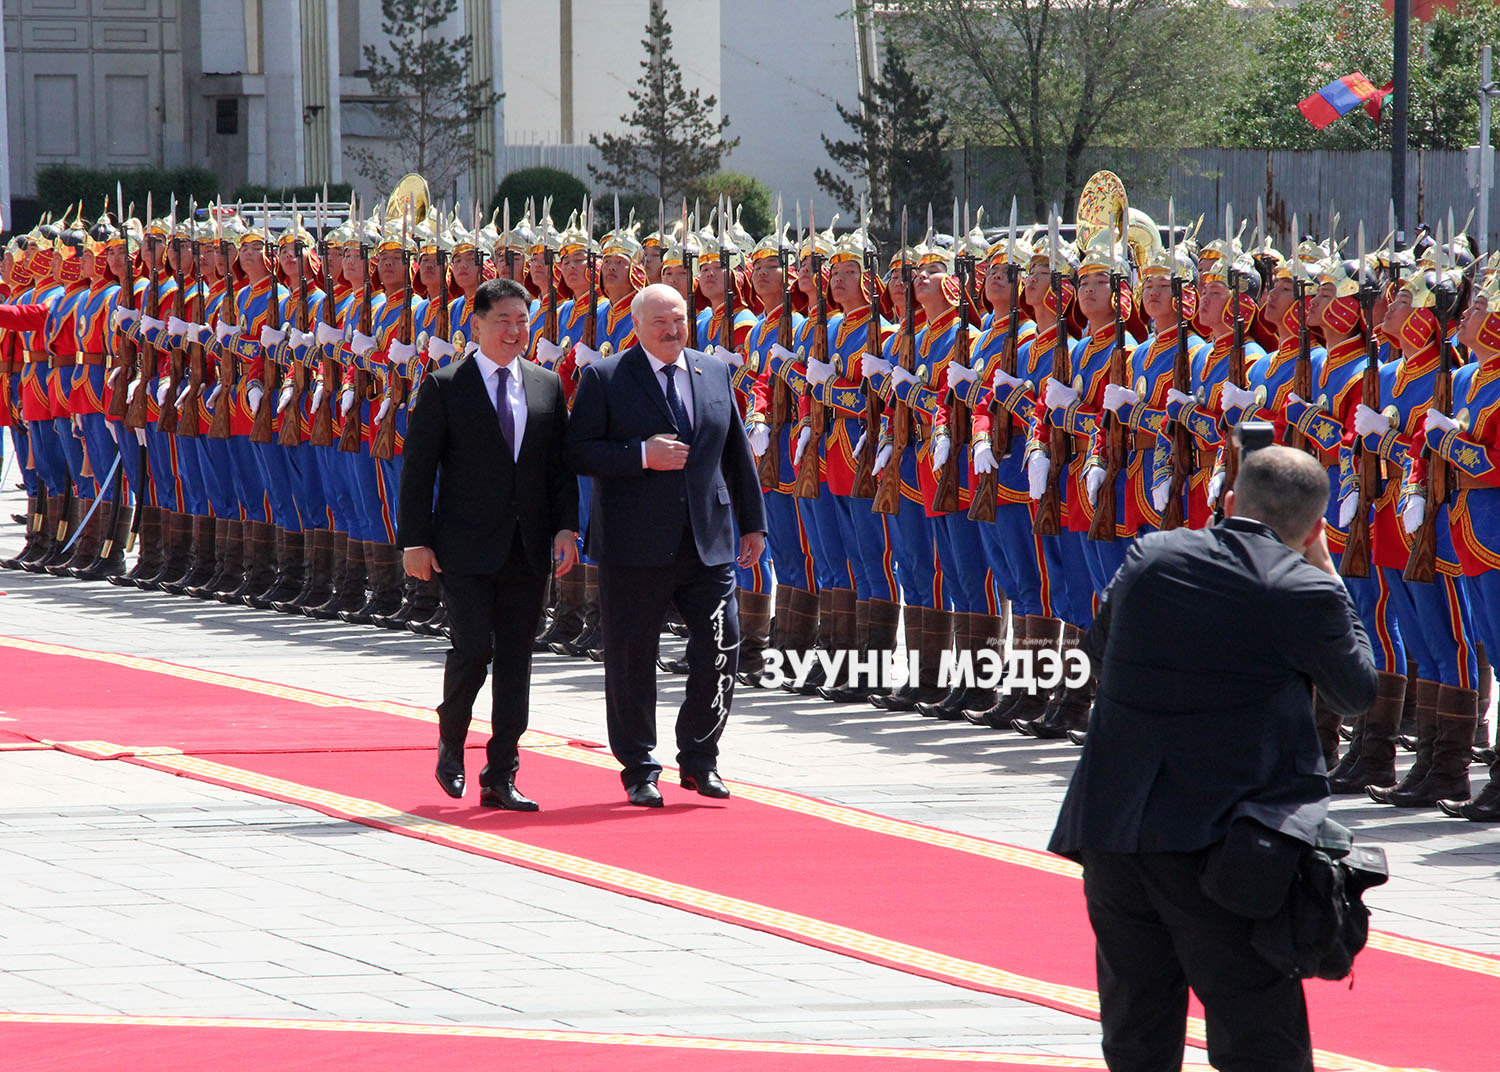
[(502, 407)]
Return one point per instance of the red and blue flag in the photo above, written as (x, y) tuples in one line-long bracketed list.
[(1342, 96)]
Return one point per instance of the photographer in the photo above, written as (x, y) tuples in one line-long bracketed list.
[(1207, 643)]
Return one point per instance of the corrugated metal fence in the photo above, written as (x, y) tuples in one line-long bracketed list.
[(1205, 180)]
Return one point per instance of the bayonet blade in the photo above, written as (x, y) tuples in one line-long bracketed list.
[(1260, 222), (1010, 247), (617, 214), (1360, 261)]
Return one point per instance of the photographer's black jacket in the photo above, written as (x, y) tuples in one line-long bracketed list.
[(1205, 645)]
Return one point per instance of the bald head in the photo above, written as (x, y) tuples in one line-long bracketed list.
[(659, 316), (1284, 488)]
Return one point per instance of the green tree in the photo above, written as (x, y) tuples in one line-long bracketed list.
[(673, 139), (1299, 50), (897, 150), (426, 101), (537, 184), (750, 197), (1051, 79)]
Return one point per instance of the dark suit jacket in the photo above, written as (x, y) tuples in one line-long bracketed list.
[(1205, 645), (485, 499), (638, 515)]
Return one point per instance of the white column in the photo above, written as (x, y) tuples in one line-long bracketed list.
[(4, 133), (335, 107), (281, 30)]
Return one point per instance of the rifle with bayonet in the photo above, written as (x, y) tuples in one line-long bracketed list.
[(688, 257), (770, 462), (1048, 520), (864, 463), (166, 417), (946, 497), (591, 259), (383, 444), (1102, 525), (1183, 460), (128, 354), (810, 471), (263, 429), (888, 489), (1302, 374), (188, 404), (146, 360), (1236, 374), (354, 420), (228, 368), (1421, 564), (1355, 561), (291, 418), (321, 433)]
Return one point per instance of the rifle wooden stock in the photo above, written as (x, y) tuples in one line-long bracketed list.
[(810, 472), (263, 430), (290, 434), (1302, 374), (888, 488), (166, 417), (227, 371), (864, 464), (146, 363), (1048, 520), (1421, 564), (1236, 377), (321, 432), (945, 498), (383, 445), (1355, 561), (193, 357), (354, 421), (1182, 438), (1102, 524)]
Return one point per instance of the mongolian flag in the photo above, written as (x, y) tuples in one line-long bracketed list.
[(1339, 98)]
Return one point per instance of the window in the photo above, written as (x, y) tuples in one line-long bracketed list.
[(227, 115)]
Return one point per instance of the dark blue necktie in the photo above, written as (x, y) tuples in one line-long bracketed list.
[(679, 411), (502, 407)]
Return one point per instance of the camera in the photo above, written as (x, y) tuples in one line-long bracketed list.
[(1250, 436)]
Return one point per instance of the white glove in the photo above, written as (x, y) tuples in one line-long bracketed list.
[(77, 422), (1295, 397), (317, 398), (760, 439), (327, 334), (941, 447), (1038, 466), (151, 328), (1347, 506), (882, 456), (1436, 418), (270, 336), (548, 352), (178, 326), (471, 349), (1003, 380), (1215, 485), (783, 355), (1180, 398), (585, 355), (819, 371), (362, 344), (1413, 515), (201, 334), (161, 392), (1234, 397), (122, 318), (346, 400), (860, 445), (134, 387), (400, 353), (959, 374), (1160, 493), (804, 437), (223, 329), (1093, 480), (140, 436), (213, 396), (900, 375), (984, 458), (732, 358), (1059, 395), (1368, 422), (1116, 397), (439, 349), (385, 407), (871, 365), (187, 389), (253, 397), (114, 375), (284, 400), (300, 338)]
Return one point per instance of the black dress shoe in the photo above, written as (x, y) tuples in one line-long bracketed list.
[(673, 666), (450, 771), (705, 784), (645, 795), (504, 797)]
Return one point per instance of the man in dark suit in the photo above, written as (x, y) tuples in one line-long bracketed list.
[(674, 480), (1207, 644), (486, 436)]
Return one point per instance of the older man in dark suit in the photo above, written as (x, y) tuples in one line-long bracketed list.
[(491, 426), (676, 504)]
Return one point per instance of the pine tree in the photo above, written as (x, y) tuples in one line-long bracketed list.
[(427, 102), (897, 151), (673, 140)]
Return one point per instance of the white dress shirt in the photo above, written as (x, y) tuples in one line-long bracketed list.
[(515, 396), (682, 380)]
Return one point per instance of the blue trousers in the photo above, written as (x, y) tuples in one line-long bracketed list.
[(280, 482), (335, 477), (1103, 558), (970, 588), (73, 455), (249, 487), (99, 443), (1014, 554), (1436, 627), (831, 559), (867, 538), (1070, 584), (791, 554), (130, 459), (218, 478), (913, 539), (1372, 601)]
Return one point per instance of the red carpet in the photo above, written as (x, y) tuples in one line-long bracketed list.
[(955, 908), (180, 1044)]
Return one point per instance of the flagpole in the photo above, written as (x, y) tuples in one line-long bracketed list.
[(1401, 9)]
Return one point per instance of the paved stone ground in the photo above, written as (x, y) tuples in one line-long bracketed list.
[(130, 891)]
